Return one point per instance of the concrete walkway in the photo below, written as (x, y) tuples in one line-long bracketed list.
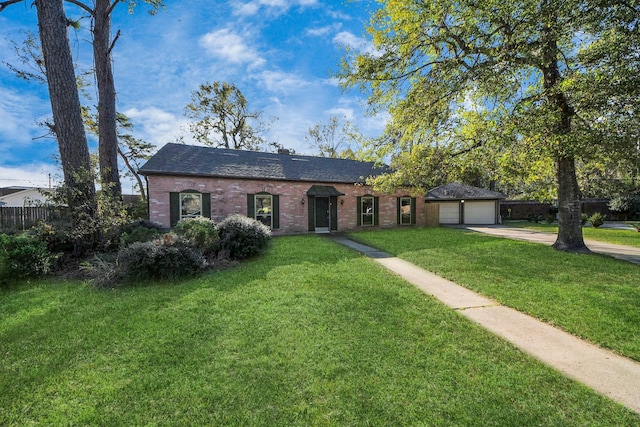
[(626, 253), (607, 373)]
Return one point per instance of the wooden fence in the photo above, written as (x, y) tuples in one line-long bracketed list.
[(24, 218)]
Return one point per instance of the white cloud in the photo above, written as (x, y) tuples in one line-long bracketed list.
[(30, 175), (346, 113), (158, 126), (277, 81), (348, 39), (246, 9), (253, 7), (339, 15), (17, 124), (231, 47), (323, 31)]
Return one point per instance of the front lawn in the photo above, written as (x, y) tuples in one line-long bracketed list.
[(592, 296), (310, 333), (603, 234)]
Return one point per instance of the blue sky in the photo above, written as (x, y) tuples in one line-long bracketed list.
[(280, 54)]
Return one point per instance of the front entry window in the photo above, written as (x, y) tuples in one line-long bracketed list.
[(367, 210), (190, 205), (405, 211), (264, 209)]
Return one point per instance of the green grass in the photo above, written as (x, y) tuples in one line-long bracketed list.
[(311, 333), (609, 235), (592, 296)]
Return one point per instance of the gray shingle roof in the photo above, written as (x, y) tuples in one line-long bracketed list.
[(456, 191), (179, 159)]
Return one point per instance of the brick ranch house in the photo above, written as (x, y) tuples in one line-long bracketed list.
[(287, 192)]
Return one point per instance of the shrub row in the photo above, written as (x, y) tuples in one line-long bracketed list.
[(145, 250), (169, 257), (194, 244)]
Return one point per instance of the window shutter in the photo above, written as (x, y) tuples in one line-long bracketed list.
[(311, 206), (174, 208), (359, 210), (413, 210), (376, 208), (275, 211), (398, 209), (333, 209), (206, 205), (251, 206)]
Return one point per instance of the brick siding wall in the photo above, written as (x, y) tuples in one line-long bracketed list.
[(230, 196)]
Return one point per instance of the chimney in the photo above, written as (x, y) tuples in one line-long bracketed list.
[(283, 151)]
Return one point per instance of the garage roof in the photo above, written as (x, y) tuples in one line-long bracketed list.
[(457, 191)]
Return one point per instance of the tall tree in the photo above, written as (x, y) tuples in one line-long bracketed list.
[(107, 124), (100, 12), (332, 139), (67, 114), (223, 118), (131, 150), (518, 60), (107, 116)]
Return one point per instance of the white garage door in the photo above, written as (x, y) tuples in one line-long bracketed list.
[(480, 212), (449, 213)]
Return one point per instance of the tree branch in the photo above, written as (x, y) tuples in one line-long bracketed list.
[(82, 6), (468, 149), (113, 43), (112, 6), (7, 3)]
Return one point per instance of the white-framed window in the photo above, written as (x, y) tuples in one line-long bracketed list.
[(367, 209), (264, 209), (405, 211), (190, 205)]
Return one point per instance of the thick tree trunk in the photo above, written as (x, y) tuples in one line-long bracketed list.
[(569, 209), (107, 123), (67, 115)]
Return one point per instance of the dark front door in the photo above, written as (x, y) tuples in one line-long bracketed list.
[(322, 212)]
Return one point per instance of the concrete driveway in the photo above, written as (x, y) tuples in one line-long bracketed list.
[(626, 253)]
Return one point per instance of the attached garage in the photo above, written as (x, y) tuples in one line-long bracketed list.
[(480, 212), (449, 212), (464, 204)]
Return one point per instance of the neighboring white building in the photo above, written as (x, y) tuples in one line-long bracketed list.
[(22, 197)]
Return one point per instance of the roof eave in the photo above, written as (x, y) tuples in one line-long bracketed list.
[(198, 175)]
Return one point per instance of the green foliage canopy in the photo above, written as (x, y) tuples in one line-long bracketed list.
[(526, 84), (223, 118)]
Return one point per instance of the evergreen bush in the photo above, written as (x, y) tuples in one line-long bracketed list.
[(242, 237), (584, 218), (139, 231), (23, 256), (201, 231), (55, 233), (597, 219), (169, 257)]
